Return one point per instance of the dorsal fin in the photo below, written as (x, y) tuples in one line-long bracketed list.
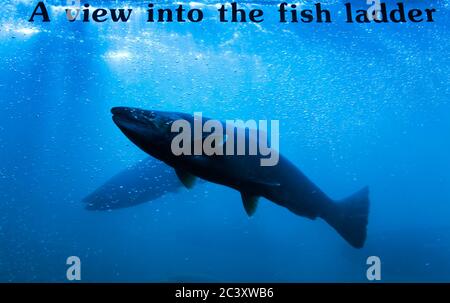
[(186, 178), (250, 203)]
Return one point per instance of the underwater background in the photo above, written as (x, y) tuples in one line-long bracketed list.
[(358, 104)]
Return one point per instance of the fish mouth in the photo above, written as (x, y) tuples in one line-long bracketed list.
[(124, 114), (117, 110), (136, 119), (127, 118), (136, 115), (123, 110), (136, 124)]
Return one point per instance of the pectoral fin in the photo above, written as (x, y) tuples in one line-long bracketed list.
[(186, 178), (250, 203)]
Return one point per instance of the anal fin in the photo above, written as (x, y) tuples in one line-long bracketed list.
[(186, 178), (250, 203)]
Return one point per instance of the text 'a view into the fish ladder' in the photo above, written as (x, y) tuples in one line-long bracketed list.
[(375, 12)]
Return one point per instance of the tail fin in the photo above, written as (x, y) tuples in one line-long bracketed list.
[(349, 217)]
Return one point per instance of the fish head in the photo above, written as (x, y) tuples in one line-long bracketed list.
[(150, 130)]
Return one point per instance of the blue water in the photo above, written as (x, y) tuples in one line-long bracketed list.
[(358, 104)]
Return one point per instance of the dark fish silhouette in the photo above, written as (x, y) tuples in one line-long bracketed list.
[(145, 181), (283, 184)]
